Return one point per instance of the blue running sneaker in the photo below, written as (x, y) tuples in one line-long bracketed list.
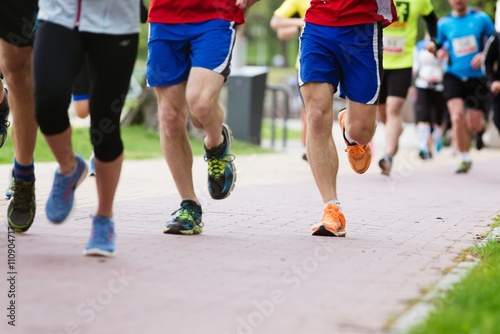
[(91, 165), (221, 168), (60, 202), (102, 239), (187, 219), (4, 120), (437, 137), (438, 143)]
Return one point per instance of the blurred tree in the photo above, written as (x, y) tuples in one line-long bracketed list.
[(143, 39), (488, 6), (263, 43)]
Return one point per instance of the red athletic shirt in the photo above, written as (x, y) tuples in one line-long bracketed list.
[(350, 12), (190, 11)]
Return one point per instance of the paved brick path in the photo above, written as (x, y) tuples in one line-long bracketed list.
[(256, 268)]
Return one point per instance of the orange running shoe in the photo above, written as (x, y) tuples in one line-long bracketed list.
[(329, 224), (360, 157)]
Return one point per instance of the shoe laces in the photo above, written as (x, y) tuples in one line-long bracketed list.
[(3, 118), (102, 232), (23, 194), (62, 189), (332, 214), (187, 213), (355, 150), (217, 166), (464, 165)]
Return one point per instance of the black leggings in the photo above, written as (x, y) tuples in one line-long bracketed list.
[(58, 56), (430, 106)]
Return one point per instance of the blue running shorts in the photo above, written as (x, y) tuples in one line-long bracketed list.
[(350, 55), (175, 48)]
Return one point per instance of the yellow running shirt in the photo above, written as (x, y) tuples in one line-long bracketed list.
[(291, 7), (401, 36)]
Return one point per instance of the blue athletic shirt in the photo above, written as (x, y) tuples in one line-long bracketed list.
[(464, 37)]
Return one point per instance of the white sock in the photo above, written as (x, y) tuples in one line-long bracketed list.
[(437, 132), (423, 135), (466, 156), (334, 201)]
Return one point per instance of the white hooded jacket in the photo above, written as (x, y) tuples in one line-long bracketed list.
[(114, 17)]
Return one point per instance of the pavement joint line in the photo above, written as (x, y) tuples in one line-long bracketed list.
[(421, 310)]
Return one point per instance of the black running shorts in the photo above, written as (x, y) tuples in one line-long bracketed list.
[(18, 21), (395, 83), (473, 91)]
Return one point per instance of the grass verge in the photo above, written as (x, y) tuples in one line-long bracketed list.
[(473, 304), (139, 143)]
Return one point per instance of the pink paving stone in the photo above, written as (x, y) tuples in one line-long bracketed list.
[(256, 268)]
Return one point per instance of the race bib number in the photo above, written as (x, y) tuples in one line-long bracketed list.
[(394, 45), (464, 45)]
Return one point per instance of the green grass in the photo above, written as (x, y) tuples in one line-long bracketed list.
[(472, 305), (139, 143)]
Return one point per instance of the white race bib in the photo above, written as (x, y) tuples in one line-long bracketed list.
[(463, 46), (394, 45)]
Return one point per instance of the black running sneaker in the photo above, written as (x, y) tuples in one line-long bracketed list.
[(4, 122), (479, 141), (221, 168), (464, 167), (385, 164), (22, 206), (424, 155), (187, 219)]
